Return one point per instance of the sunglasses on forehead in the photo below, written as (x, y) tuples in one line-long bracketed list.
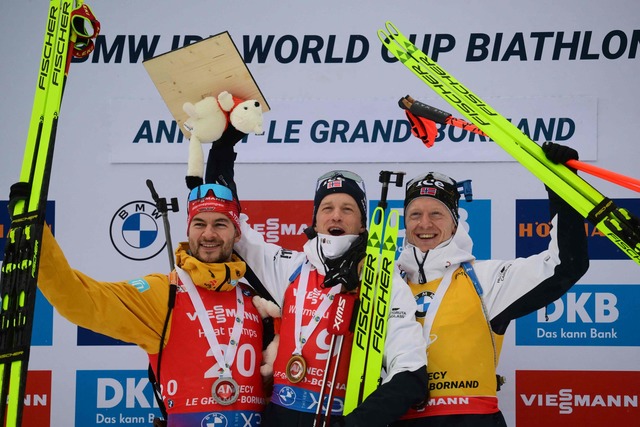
[(219, 191), (337, 174), (435, 176)]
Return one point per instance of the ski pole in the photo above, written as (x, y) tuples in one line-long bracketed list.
[(317, 421), (163, 208), (426, 112), (385, 179), (327, 411), (616, 178), (342, 313)]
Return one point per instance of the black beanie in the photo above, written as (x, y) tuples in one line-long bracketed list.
[(438, 186), (341, 181)]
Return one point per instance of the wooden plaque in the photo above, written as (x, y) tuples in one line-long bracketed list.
[(202, 69)]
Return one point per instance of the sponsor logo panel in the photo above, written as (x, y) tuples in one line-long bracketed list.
[(577, 398), (137, 231), (114, 398), (281, 222), (37, 400), (587, 315), (532, 230), (88, 337)]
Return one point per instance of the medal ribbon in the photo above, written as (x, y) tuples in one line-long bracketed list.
[(302, 333), (225, 360)]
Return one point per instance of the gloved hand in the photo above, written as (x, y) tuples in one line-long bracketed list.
[(193, 181), (345, 270), (18, 191), (558, 153)]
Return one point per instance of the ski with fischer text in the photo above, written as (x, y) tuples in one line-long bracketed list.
[(428, 116), (370, 330), (618, 224), (69, 31)]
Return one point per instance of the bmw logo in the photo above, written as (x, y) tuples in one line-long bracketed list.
[(135, 231), (287, 396), (215, 419)]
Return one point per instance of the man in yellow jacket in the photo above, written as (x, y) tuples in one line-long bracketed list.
[(196, 388)]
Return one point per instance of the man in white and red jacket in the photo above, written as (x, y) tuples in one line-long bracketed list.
[(303, 284)]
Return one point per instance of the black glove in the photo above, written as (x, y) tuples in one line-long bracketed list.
[(18, 191), (344, 274), (343, 271), (193, 181), (558, 153)]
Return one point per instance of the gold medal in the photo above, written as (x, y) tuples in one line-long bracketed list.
[(225, 391), (296, 368)]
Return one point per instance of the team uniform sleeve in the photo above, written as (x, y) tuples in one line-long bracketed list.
[(131, 311), (405, 359), (272, 264), (521, 286)]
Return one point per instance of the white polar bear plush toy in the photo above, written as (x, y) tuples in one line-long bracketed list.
[(209, 123)]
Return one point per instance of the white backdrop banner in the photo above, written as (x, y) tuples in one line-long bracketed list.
[(351, 131)]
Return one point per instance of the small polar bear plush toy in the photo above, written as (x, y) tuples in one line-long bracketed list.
[(224, 119)]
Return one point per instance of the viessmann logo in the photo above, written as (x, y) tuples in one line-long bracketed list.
[(581, 398), (37, 399), (135, 231), (566, 399)]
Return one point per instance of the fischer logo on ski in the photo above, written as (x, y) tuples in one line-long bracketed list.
[(381, 304), (423, 119), (375, 297), (65, 27), (617, 224)]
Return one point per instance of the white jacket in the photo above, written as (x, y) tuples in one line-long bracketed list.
[(512, 288), (405, 347)]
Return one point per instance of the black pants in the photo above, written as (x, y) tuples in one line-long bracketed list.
[(279, 416), (466, 420)]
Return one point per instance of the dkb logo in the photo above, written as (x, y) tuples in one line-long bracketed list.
[(593, 315)]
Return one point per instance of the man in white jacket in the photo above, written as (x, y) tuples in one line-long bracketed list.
[(304, 285), (464, 306)]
